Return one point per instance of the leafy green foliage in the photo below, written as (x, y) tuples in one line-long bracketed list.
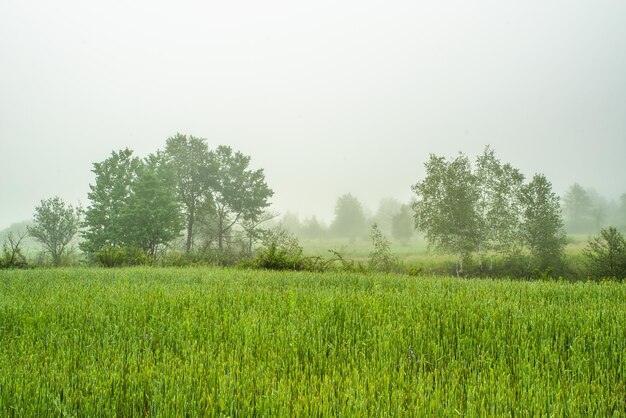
[(195, 177), (446, 207), (121, 257), (133, 205), (498, 205), (152, 215), (223, 342), (542, 226), (55, 225), (605, 255), (239, 193), (282, 251), (380, 258), (104, 224)]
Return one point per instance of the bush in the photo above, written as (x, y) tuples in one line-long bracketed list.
[(122, 257), (606, 255), (12, 256), (380, 257)]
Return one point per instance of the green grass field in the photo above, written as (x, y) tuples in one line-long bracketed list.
[(207, 342)]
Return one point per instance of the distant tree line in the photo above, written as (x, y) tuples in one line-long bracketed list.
[(188, 203), (587, 211)]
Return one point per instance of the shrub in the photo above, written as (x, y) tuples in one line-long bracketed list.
[(605, 255), (121, 257)]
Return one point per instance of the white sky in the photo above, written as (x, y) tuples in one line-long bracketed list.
[(328, 97)]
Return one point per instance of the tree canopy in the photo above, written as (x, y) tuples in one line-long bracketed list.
[(349, 219), (55, 226)]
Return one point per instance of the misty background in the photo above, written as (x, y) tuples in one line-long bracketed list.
[(327, 97)]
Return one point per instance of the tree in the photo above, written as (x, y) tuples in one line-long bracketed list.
[(312, 228), (349, 219), (387, 209), (578, 208), (402, 224), (55, 226), (380, 258), (133, 204), (12, 256), (445, 209), (599, 209), (291, 222), (195, 177), (605, 255), (238, 193), (104, 218), (252, 228), (152, 213), (498, 206), (542, 226)]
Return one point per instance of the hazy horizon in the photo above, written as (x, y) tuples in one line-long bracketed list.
[(328, 98)]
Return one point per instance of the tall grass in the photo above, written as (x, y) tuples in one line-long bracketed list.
[(174, 342)]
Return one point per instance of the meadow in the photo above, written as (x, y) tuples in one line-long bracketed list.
[(231, 342)]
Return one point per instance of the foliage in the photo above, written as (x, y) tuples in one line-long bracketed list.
[(195, 177), (577, 207), (172, 342), (133, 205), (402, 226), (238, 193), (605, 255), (104, 225), (380, 257), (446, 207), (282, 251), (349, 219), (387, 209), (542, 227), (498, 205), (312, 228), (12, 256), (253, 230), (121, 257), (489, 210), (55, 226), (151, 214)]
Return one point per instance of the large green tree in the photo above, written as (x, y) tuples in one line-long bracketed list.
[(349, 219), (195, 179), (104, 224), (152, 213), (238, 193), (55, 225), (498, 206), (133, 204), (445, 209), (542, 225)]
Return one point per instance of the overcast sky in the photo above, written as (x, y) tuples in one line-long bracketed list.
[(329, 97)]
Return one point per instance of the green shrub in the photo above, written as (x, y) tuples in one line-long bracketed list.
[(605, 255), (121, 257)]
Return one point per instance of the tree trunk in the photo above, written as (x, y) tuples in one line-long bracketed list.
[(220, 231), (189, 232)]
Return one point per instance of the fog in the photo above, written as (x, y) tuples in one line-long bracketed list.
[(327, 97)]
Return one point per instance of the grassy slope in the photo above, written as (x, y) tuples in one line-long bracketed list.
[(210, 341)]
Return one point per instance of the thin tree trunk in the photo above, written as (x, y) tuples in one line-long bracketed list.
[(189, 232)]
